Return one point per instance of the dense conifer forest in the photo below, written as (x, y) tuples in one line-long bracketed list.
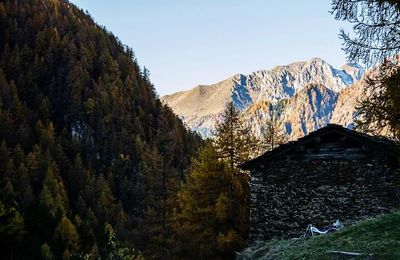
[(91, 160)]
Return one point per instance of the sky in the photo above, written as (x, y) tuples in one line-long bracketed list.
[(185, 43)]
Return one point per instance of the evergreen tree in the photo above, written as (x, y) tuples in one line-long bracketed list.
[(235, 144), (67, 232), (206, 224), (11, 230), (376, 23), (272, 135), (380, 111), (46, 252), (213, 213), (23, 185), (233, 139)]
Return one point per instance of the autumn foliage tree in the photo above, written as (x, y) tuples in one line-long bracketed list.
[(271, 135), (233, 139), (213, 214)]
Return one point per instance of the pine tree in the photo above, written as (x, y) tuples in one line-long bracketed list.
[(11, 230), (106, 203), (272, 135), (18, 155), (233, 139), (379, 113), (52, 197), (235, 144), (374, 24), (23, 185), (67, 232), (46, 252), (113, 250), (202, 214), (212, 220), (7, 178)]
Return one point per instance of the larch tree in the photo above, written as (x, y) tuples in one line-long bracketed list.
[(376, 26), (212, 219), (235, 144), (272, 135), (380, 112), (206, 224), (233, 138)]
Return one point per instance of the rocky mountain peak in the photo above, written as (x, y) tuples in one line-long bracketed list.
[(353, 69), (308, 87)]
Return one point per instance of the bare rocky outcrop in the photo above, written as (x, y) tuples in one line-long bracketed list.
[(305, 93)]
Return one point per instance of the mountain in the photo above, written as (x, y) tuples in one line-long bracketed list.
[(90, 159), (306, 93), (343, 113)]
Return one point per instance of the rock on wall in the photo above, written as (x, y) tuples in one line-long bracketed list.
[(288, 195)]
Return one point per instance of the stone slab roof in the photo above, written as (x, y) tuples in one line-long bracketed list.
[(380, 143)]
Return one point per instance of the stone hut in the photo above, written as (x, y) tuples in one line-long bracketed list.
[(332, 173)]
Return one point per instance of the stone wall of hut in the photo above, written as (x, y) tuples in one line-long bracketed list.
[(288, 195)]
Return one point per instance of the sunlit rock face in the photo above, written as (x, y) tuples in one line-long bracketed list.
[(304, 96)]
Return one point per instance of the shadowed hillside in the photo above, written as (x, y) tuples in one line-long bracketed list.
[(90, 158)]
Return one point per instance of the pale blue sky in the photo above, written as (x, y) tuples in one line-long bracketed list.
[(187, 42)]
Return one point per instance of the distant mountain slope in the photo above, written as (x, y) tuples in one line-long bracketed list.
[(344, 111), (310, 109), (310, 88)]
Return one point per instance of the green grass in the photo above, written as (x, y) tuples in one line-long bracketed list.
[(379, 236)]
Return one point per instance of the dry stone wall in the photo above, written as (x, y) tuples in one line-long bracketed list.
[(287, 195)]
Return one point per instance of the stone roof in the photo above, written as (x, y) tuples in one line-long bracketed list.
[(379, 143)]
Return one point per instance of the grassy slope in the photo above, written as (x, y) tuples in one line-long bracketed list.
[(379, 236)]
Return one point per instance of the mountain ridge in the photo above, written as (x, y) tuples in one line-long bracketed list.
[(201, 106)]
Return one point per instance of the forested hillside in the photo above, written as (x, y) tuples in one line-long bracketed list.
[(90, 160)]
